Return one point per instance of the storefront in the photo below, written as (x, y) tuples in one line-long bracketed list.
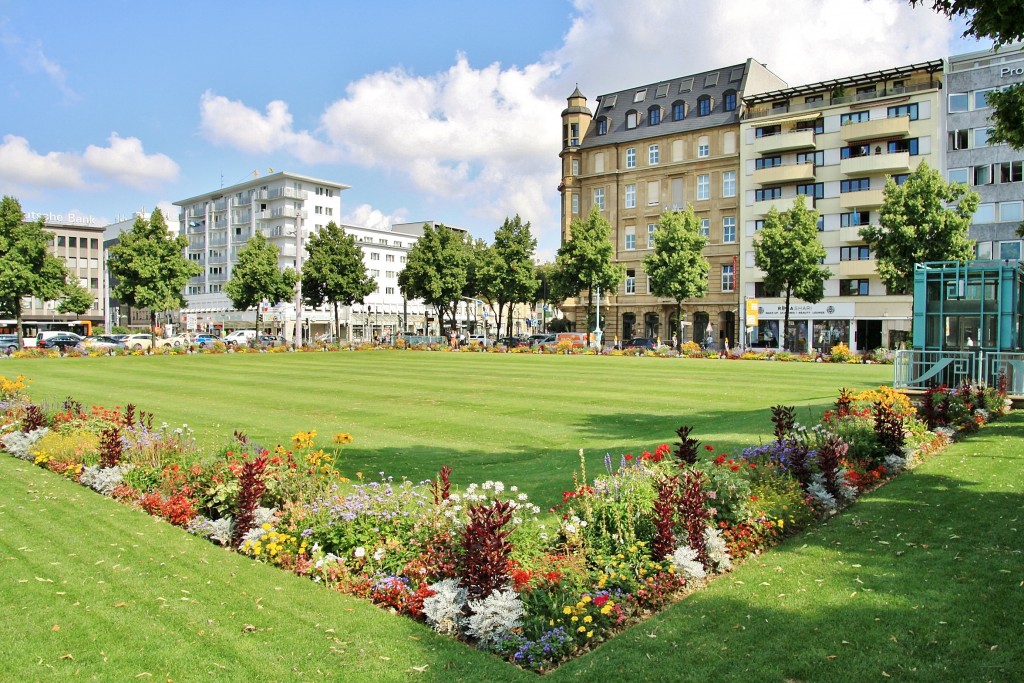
[(812, 327)]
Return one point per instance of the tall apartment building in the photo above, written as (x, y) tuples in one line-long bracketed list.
[(995, 172), (80, 246), (836, 142), (652, 148)]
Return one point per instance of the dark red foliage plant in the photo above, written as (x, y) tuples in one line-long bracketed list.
[(665, 507), (111, 446), (442, 486), (830, 456), (889, 428), (695, 514), (33, 419), (844, 402), (686, 449), (251, 488), (486, 549), (784, 418)]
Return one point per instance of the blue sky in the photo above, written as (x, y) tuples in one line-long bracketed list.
[(446, 111)]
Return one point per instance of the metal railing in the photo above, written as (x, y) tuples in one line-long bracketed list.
[(1008, 363), (916, 369)]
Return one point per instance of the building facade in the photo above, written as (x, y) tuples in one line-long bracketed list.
[(80, 246), (836, 142), (996, 172), (649, 149)]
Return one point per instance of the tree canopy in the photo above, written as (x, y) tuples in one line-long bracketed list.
[(678, 268), (27, 268), (585, 260), (510, 277), (788, 251), (76, 299), (436, 270), (150, 267), (256, 277), (334, 271), (924, 219)]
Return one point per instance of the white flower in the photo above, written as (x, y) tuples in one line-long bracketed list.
[(685, 561), (521, 496), (513, 489), (498, 487), (378, 554), (359, 552), (570, 528)]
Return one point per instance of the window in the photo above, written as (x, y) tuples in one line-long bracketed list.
[(958, 139), (94, 243), (763, 291), (767, 162), (654, 116), (811, 99), (855, 185), (610, 102), (986, 213), (599, 198), (900, 178), (703, 187), (910, 146), (866, 91), (94, 263), (389, 273), (765, 131), (758, 224), (640, 95), (631, 157), (729, 229), (1011, 212), (703, 148), (711, 80), (389, 257), (728, 278), (855, 151), (855, 219), (853, 287), (959, 175), (981, 98), (854, 117), (903, 110), (958, 101), (815, 190), (72, 242), (630, 238), (662, 90), (854, 254), (686, 85), (703, 105), (1010, 171), (705, 227), (767, 193), (575, 203), (817, 125), (816, 158), (630, 194), (729, 184), (631, 119), (729, 100), (1009, 250), (630, 281), (389, 290), (60, 240), (678, 110), (575, 165), (318, 209), (602, 126), (374, 256), (651, 227), (653, 155), (983, 174), (653, 192), (981, 136)]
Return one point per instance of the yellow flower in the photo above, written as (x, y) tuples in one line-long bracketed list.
[(606, 609), (590, 634), (587, 619), (575, 619), (567, 610), (342, 438), (586, 598), (581, 629)]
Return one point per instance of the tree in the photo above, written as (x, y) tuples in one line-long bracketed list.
[(27, 268), (513, 280), (150, 268), (916, 226), (546, 273), (789, 253), (77, 299), (436, 270), (481, 269), (334, 271), (1003, 22), (678, 269), (256, 277), (585, 260)]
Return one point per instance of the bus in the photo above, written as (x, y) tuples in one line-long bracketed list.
[(82, 328)]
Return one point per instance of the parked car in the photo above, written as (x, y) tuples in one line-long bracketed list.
[(175, 341), (8, 343), (102, 341), (640, 343), (138, 342), (48, 334), (239, 337), (118, 337), (268, 340), (204, 340), (540, 339), (61, 340), (513, 342)]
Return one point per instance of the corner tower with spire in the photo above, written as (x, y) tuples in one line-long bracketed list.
[(575, 122)]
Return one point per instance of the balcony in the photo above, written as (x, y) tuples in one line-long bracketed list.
[(220, 205), (895, 127), (280, 212), (287, 192), (875, 164), (777, 175), (857, 269), (784, 142), (863, 199), (851, 235), (782, 204)]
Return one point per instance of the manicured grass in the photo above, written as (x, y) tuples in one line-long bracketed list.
[(921, 580), (514, 418)]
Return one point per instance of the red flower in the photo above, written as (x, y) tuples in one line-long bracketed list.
[(628, 456), (719, 460), (709, 447), (735, 468)]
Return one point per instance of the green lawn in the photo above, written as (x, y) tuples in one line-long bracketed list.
[(921, 580), (516, 418)]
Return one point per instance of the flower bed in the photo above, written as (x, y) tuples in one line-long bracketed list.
[(484, 564)]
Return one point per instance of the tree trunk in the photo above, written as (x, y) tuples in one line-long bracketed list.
[(20, 323), (152, 326), (337, 324), (785, 323), (679, 324), (590, 309)]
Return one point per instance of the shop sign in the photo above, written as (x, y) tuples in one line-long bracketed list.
[(804, 310)]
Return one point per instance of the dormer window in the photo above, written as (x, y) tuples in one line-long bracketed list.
[(729, 100), (602, 126), (610, 101), (654, 116), (678, 110), (640, 95), (711, 80), (631, 119), (703, 105)]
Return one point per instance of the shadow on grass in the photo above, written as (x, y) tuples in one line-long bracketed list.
[(918, 581)]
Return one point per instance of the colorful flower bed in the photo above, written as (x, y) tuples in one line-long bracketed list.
[(485, 564)]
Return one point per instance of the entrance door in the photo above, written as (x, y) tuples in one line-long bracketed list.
[(869, 335)]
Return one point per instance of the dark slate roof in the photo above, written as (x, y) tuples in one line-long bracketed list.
[(688, 89)]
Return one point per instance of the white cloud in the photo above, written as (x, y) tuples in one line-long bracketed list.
[(367, 216), (126, 161), (23, 166), (34, 60), (233, 124)]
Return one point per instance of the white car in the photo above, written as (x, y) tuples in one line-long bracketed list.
[(175, 341), (239, 337), (138, 342)]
